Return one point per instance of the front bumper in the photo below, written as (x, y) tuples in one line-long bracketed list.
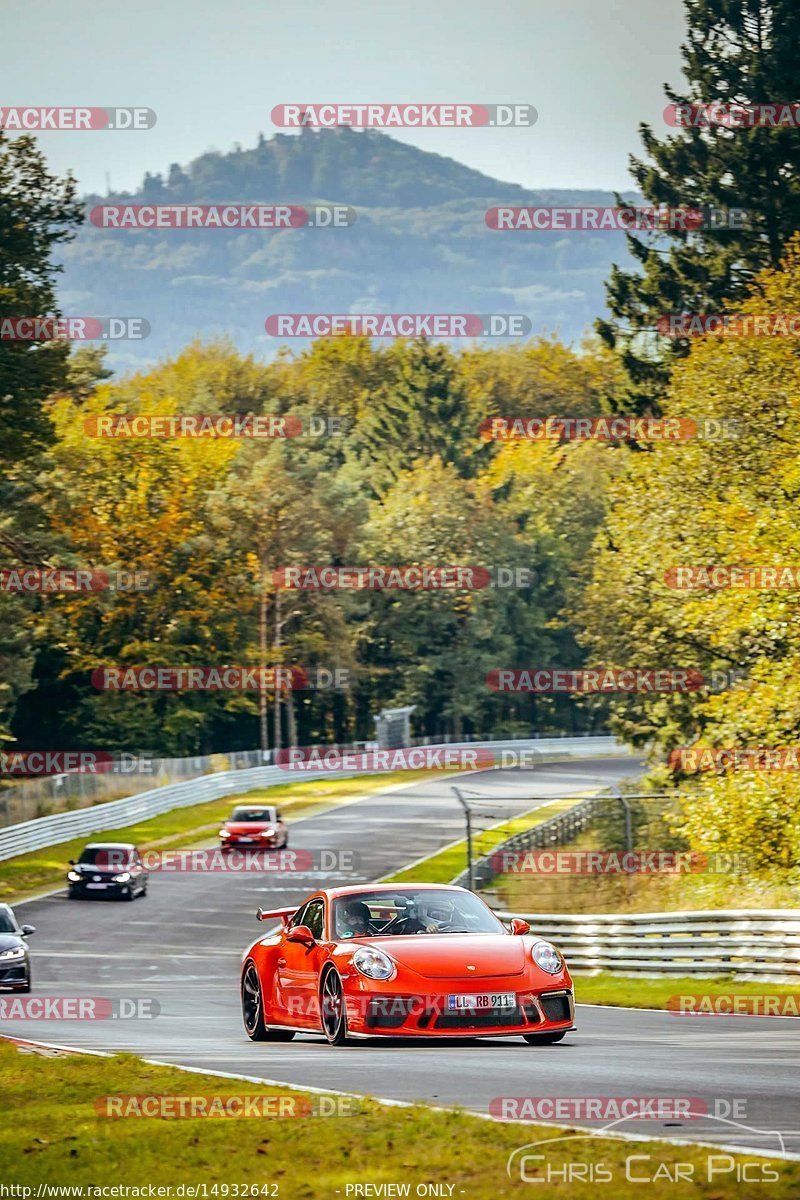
[(90, 889), (255, 843), (394, 1015), (14, 974)]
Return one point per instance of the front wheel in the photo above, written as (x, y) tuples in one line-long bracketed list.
[(544, 1039), (332, 1008), (253, 1011)]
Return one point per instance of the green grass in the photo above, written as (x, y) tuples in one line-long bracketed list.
[(450, 862), (684, 892), (186, 826), (56, 1137), (635, 992)]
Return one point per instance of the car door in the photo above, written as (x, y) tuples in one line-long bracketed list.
[(297, 972)]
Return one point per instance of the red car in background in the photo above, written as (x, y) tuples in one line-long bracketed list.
[(254, 827), (416, 960)]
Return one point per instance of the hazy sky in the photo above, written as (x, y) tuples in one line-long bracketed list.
[(593, 68)]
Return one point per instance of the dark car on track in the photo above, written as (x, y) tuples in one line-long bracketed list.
[(15, 965), (108, 869), (254, 827)]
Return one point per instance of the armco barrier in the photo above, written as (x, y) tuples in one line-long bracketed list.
[(720, 942), (63, 826)]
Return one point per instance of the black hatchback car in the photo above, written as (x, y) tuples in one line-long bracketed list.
[(108, 869), (15, 964)]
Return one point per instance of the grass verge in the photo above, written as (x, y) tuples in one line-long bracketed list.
[(635, 992), (57, 1138), (186, 826)]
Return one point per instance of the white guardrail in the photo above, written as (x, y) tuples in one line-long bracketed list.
[(722, 942), (130, 810)]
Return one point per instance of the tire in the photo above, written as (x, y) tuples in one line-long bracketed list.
[(127, 894), (253, 1010), (544, 1039), (332, 1009)]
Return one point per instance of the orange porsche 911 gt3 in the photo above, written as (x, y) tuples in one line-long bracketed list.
[(419, 960)]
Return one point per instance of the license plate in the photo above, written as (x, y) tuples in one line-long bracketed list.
[(96, 885), (482, 1000), (243, 840)]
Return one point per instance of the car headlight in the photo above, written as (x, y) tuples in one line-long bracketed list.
[(73, 877), (16, 952), (268, 833), (224, 833), (547, 957), (123, 878), (373, 963)]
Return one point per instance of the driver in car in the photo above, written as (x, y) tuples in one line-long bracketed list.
[(353, 920), (421, 918)]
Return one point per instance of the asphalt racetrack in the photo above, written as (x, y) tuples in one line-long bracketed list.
[(182, 946)]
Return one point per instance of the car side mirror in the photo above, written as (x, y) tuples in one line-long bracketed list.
[(518, 926), (303, 935), (26, 929)]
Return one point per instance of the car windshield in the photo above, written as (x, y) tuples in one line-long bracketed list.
[(253, 814), (111, 857), (412, 911), (7, 922)]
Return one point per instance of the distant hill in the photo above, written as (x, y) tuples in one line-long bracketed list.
[(420, 244)]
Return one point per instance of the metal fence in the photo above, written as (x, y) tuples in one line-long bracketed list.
[(720, 942), (135, 773), (63, 826), (553, 832), (131, 774)]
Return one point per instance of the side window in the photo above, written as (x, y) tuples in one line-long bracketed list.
[(297, 919), (315, 918)]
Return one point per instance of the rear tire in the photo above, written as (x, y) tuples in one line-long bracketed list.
[(253, 1011), (544, 1039)]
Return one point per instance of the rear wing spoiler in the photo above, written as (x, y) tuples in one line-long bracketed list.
[(274, 913)]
